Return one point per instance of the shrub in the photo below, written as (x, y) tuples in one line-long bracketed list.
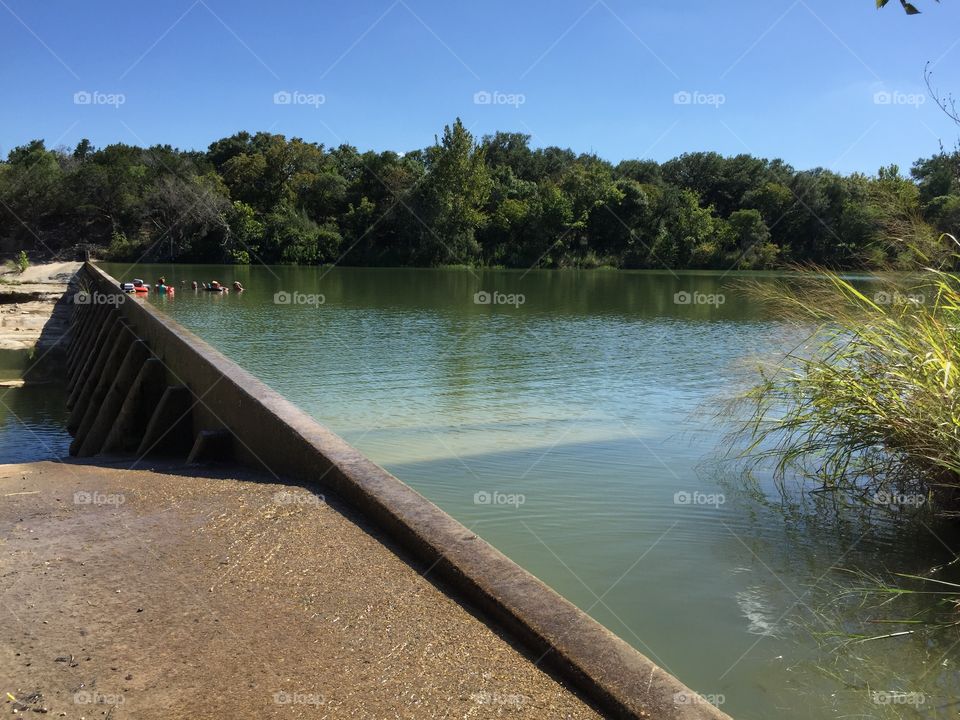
[(21, 262)]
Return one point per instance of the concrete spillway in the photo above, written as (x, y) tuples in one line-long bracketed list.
[(141, 386)]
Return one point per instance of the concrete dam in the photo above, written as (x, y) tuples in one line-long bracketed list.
[(153, 407)]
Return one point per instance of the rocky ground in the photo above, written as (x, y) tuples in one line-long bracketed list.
[(33, 316)]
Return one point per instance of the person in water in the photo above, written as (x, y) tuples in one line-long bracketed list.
[(194, 285), (237, 286)]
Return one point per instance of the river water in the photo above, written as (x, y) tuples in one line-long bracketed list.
[(574, 419)]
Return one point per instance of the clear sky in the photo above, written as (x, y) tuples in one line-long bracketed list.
[(827, 83)]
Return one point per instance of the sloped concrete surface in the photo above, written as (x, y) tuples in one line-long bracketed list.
[(152, 593)]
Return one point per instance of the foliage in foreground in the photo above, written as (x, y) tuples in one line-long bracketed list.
[(868, 407), (908, 7)]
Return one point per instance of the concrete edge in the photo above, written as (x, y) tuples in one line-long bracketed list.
[(275, 435)]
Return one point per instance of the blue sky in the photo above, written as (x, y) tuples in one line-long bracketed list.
[(797, 79)]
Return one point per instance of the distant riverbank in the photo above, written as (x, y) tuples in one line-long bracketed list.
[(495, 201)]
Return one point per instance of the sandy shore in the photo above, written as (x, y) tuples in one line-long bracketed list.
[(55, 273), (155, 594)]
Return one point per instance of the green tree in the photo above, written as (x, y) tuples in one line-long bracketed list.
[(938, 175), (499, 202), (751, 240), (293, 238), (451, 198), (246, 233)]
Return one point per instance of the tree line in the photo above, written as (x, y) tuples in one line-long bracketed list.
[(496, 201)]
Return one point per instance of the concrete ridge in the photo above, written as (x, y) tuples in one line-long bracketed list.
[(209, 407)]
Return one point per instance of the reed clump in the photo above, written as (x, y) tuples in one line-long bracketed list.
[(867, 406)]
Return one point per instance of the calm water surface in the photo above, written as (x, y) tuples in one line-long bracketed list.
[(33, 424), (579, 433)]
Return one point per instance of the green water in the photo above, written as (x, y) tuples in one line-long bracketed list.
[(583, 411), (33, 423)]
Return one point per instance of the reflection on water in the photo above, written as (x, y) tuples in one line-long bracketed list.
[(578, 431), (756, 609), (33, 424)]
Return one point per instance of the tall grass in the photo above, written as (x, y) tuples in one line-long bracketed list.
[(868, 406)]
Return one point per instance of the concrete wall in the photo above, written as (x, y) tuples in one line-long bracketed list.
[(141, 384)]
